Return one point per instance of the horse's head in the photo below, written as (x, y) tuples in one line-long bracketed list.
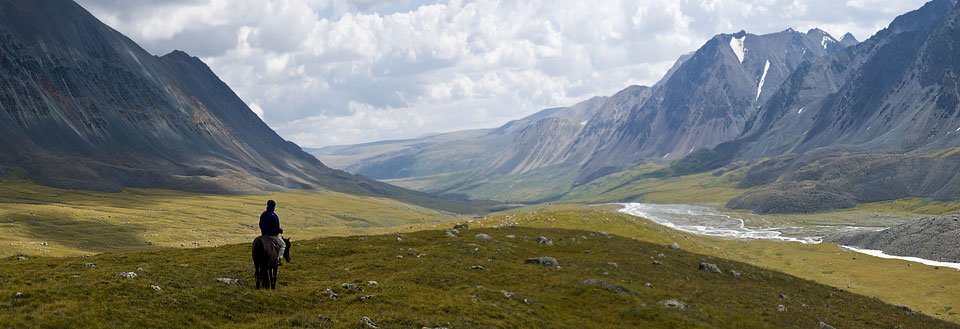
[(286, 251)]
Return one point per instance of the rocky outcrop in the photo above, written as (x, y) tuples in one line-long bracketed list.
[(934, 238)]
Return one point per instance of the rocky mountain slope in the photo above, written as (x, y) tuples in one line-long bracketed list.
[(935, 238), (82, 106), (877, 122)]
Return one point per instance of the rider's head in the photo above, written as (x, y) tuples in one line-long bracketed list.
[(271, 205)]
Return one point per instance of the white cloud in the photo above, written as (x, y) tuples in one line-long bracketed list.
[(345, 71)]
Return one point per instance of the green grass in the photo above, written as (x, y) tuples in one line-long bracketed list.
[(39, 220), (635, 185), (431, 285), (930, 289)]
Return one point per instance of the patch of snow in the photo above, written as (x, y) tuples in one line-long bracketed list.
[(827, 40), (800, 111), (584, 123), (763, 78), (958, 129), (868, 128), (737, 45), (691, 150), (881, 254), (666, 155)]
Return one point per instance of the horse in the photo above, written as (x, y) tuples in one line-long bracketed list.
[(265, 261)]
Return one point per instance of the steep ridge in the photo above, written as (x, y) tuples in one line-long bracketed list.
[(890, 102), (82, 106), (708, 99)]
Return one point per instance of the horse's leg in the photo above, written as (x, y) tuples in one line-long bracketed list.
[(256, 275), (273, 279)]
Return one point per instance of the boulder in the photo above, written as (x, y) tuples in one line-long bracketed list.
[(127, 275), (543, 261), (674, 246), (674, 304), (824, 325), (366, 321), (350, 287), (606, 285), (544, 240), (704, 266), (463, 226), (483, 236)]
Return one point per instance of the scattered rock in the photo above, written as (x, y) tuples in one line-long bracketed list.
[(783, 296), (615, 265), (544, 240), (350, 287), (543, 261), (735, 274), (127, 275), (19, 295), (824, 325), (673, 303), (674, 246), (372, 283), (606, 285), (365, 298), (709, 267), (330, 293), (184, 265), (88, 264), (43, 244), (452, 233), (781, 308), (239, 282), (463, 226), (657, 263), (22, 258), (155, 287), (648, 285), (325, 318), (483, 236), (478, 268), (369, 323), (506, 293), (511, 236), (139, 269), (661, 255)]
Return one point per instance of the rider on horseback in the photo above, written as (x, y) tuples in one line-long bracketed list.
[(270, 227)]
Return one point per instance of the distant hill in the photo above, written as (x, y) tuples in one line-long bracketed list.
[(82, 106)]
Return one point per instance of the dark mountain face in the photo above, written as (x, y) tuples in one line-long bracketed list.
[(895, 92), (706, 100), (872, 122), (83, 106)]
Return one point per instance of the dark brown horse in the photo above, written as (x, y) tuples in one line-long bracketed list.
[(265, 261)]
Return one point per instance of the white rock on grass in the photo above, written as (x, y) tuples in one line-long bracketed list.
[(155, 287), (483, 236), (368, 322), (127, 275)]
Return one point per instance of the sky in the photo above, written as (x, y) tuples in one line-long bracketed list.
[(330, 72)]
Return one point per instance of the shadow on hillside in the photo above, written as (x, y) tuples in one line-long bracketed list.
[(89, 235)]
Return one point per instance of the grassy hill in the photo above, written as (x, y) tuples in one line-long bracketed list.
[(40, 220), (425, 279), (933, 291)]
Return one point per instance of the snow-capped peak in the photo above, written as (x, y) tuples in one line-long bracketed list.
[(736, 43)]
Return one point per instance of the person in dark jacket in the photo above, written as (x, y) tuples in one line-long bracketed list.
[(270, 226)]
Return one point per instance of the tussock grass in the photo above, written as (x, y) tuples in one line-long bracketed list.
[(432, 285)]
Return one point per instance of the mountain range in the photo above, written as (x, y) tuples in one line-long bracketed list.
[(815, 122), (83, 106)]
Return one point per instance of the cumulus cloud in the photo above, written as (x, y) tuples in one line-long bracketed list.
[(325, 72)]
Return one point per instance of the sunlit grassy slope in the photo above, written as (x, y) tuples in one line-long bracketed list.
[(923, 288), (39, 220), (426, 279)]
